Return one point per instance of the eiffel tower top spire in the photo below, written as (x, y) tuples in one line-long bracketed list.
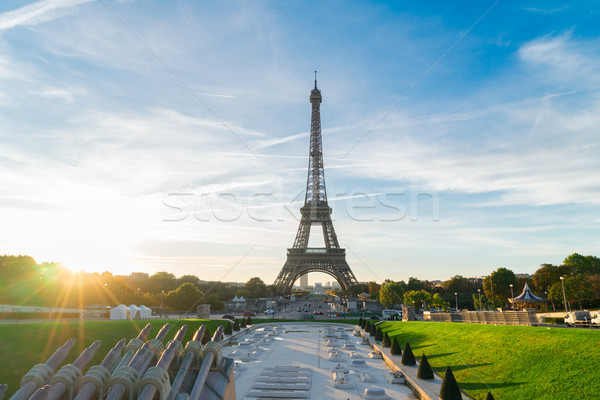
[(315, 185)]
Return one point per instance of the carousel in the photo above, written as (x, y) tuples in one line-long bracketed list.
[(527, 299)]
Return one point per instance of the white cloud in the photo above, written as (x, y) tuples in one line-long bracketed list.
[(37, 13)]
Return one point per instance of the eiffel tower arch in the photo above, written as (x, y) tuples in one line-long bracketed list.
[(302, 259)]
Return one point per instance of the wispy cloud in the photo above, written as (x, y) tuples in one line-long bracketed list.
[(37, 13)]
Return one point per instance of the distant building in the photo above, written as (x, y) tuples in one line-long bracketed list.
[(523, 275), (304, 280), (137, 276)]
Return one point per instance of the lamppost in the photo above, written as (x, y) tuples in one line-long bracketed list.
[(456, 298), (492, 286), (512, 295), (162, 302), (562, 281), (138, 295), (479, 290)]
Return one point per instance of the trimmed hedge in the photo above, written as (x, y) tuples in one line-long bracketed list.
[(450, 389), (424, 371), (206, 337), (555, 320), (408, 358), (386, 340), (396, 350)]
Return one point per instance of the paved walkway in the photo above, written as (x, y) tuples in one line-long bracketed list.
[(294, 360)]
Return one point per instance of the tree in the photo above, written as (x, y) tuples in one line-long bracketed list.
[(418, 299), (577, 290), (391, 293), (160, 281), (374, 288), (583, 265), (548, 274), (256, 288), (415, 284), (501, 280), (184, 298), (193, 279), (214, 301), (438, 303)]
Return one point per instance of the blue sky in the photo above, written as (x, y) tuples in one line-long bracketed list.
[(147, 135)]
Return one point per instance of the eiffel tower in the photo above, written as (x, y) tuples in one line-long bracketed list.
[(302, 259)]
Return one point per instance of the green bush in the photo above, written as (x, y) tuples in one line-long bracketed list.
[(424, 371), (228, 330), (378, 334), (363, 323), (249, 320), (236, 325), (360, 320), (386, 340), (243, 324), (555, 320), (450, 389), (206, 337), (372, 331), (395, 347), (489, 396), (408, 358)]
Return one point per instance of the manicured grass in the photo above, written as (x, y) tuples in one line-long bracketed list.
[(23, 345), (513, 362)]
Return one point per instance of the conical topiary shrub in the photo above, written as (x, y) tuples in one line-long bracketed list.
[(228, 330), (360, 320), (396, 350), (408, 358), (386, 340), (378, 334), (249, 320), (489, 396), (243, 324), (424, 371), (236, 325), (450, 389), (206, 337), (372, 331), (363, 324)]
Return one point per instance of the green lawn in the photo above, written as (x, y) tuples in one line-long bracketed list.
[(23, 345), (513, 362)]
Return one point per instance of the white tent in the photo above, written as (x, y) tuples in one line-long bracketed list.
[(242, 299), (145, 312), (235, 299), (134, 312), (119, 312)]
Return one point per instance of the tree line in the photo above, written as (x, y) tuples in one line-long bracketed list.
[(25, 282), (581, 281)]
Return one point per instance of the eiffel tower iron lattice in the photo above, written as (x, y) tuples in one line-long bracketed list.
[(302, 259)]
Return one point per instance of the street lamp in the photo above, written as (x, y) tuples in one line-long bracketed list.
[(512, 295), (492, 286), (562, 281), (162, 300), (479, 290), (456, 299)]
